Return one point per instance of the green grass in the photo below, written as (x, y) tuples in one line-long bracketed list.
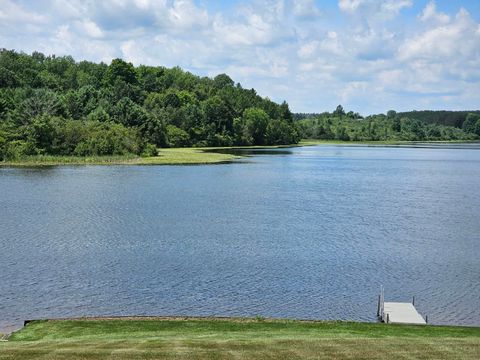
[(166, 156), (188, 156), (177, 156), (46, 160), (237, 338)]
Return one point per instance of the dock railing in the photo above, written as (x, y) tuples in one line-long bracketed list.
[(398, 312), (381, 304)]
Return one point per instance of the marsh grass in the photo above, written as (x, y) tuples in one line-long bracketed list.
[(174, 156)]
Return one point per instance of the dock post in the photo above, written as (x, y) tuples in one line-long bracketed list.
[(413, 301), (378, 306), (426, 319), (388, 318)]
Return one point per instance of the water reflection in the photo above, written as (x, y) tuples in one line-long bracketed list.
[(305, 233)]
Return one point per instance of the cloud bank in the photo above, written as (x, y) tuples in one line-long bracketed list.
[(369, 55)]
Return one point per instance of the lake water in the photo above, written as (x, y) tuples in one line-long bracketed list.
[(301, 233)]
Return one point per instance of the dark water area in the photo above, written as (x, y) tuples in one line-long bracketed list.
[(301, 233), (253, 151)]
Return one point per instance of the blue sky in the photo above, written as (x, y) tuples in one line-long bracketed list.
[(368, 55)]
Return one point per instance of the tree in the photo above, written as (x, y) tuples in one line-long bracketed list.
[(122, 70), (42, 133), (154, 131), (285, 112), (470, 122), (5, 104), (128, 113), (3, 146), (81, 102), (391, 114), (339, 111), (256, 122), (222, 80), (98, 115), (40, 102), (396, 125), (8, 78), (218, 113), (477, 127), (177, 137), (150, 78), (280, 132), (171, 99)]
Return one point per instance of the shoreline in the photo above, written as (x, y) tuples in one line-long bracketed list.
[(242, 338), (232, 319), (201, 156)]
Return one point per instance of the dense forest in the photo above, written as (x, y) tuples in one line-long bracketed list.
[(57, 106), (447, 118), (411, 126)]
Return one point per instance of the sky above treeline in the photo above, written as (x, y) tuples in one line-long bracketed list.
[(368, 55)]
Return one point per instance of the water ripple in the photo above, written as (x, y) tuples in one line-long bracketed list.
[(311, 234)]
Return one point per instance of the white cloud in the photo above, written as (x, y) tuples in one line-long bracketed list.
[(185, 15), (255, 31), (308, 49), (312, 56), (385, 7), (353, 89), (92, 29), (456, 40), (70, 9), (257, 24), (430, 13), (305, 8), (15, 18)]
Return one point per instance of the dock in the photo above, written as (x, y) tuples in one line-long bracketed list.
[(398, 312)]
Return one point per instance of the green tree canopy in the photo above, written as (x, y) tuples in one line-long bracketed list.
[(120, 70)]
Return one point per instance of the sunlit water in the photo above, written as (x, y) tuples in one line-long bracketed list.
[(307, 233)]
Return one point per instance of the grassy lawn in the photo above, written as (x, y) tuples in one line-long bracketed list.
[(237, 338)]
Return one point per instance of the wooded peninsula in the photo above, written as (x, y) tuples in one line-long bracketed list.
[(56, 106)]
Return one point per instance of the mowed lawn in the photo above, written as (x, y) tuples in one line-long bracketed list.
[(237, 339)]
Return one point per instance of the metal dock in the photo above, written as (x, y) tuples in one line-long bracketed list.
[(398, 312)]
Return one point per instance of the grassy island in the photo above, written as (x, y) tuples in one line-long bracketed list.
[(193, 338), (167, 156)]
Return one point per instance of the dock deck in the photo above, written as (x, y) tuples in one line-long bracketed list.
[(401, 313), (398, 312)]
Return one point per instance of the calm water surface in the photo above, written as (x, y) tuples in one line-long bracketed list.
[(305, 233)]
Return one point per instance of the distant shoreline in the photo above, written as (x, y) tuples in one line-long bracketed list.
[(196, 156)]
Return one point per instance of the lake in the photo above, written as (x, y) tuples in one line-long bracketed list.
[(308, 232)]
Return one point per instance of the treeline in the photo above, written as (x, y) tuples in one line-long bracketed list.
[(393, 126), (441, 117), (57, 106)]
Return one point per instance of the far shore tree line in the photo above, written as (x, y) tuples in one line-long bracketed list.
[(53, 105), (56, 106), (393, 126)]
